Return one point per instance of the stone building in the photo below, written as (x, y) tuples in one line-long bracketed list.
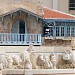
[(23, 23), (67, 6)]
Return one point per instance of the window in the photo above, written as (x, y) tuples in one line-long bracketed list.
[(60, 31), (67, 30), (72, 4), (48, 31)]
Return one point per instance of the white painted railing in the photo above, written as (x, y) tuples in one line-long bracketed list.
[(19, 39)]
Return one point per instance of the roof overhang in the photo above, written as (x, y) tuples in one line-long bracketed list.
[(20, 10), (55, 14)]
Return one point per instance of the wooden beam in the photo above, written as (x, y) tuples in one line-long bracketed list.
[(37, 19), (20, 12), (2, 19), (28, 15), (11, 15)]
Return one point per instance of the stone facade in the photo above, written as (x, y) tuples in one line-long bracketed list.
[(60, 5), (33, 26), (31, 22)]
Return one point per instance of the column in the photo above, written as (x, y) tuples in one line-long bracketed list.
[(2, 19), (54, 30), (65, 30), (55, 4), (60, 31), (70, 30)]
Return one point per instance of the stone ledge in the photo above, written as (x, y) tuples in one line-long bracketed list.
[(38, 71)]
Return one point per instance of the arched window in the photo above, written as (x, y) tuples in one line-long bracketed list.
[(71, 4)]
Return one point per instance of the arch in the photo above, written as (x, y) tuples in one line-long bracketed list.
[(19, 27)]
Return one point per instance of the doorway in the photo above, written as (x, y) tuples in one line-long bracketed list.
[(21, 27)]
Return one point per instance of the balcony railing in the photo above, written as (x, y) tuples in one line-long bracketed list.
[(20, 39)]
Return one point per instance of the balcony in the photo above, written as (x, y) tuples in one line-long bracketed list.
[(20, 39)]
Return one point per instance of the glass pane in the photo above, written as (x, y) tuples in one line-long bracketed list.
[(72, 1), (72, 31), (57, 31), (48, 31), (72, 5), (68, 31), (51, 31), (62, 31)]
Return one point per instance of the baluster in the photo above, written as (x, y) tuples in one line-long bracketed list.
[(6, 38), (0, 38), (3, 37), (33, 38), (38, 38), (18, 38), (13, 37), (21, 37), (10, 37), (27, 38), (24, 38), (30, 38)]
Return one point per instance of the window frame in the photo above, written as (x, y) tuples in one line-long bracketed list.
[(71, 5)]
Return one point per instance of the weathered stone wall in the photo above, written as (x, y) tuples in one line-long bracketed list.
[(57, 42), (31, 22)]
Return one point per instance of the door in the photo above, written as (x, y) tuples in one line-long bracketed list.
[(21, 27), (21, 30)]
